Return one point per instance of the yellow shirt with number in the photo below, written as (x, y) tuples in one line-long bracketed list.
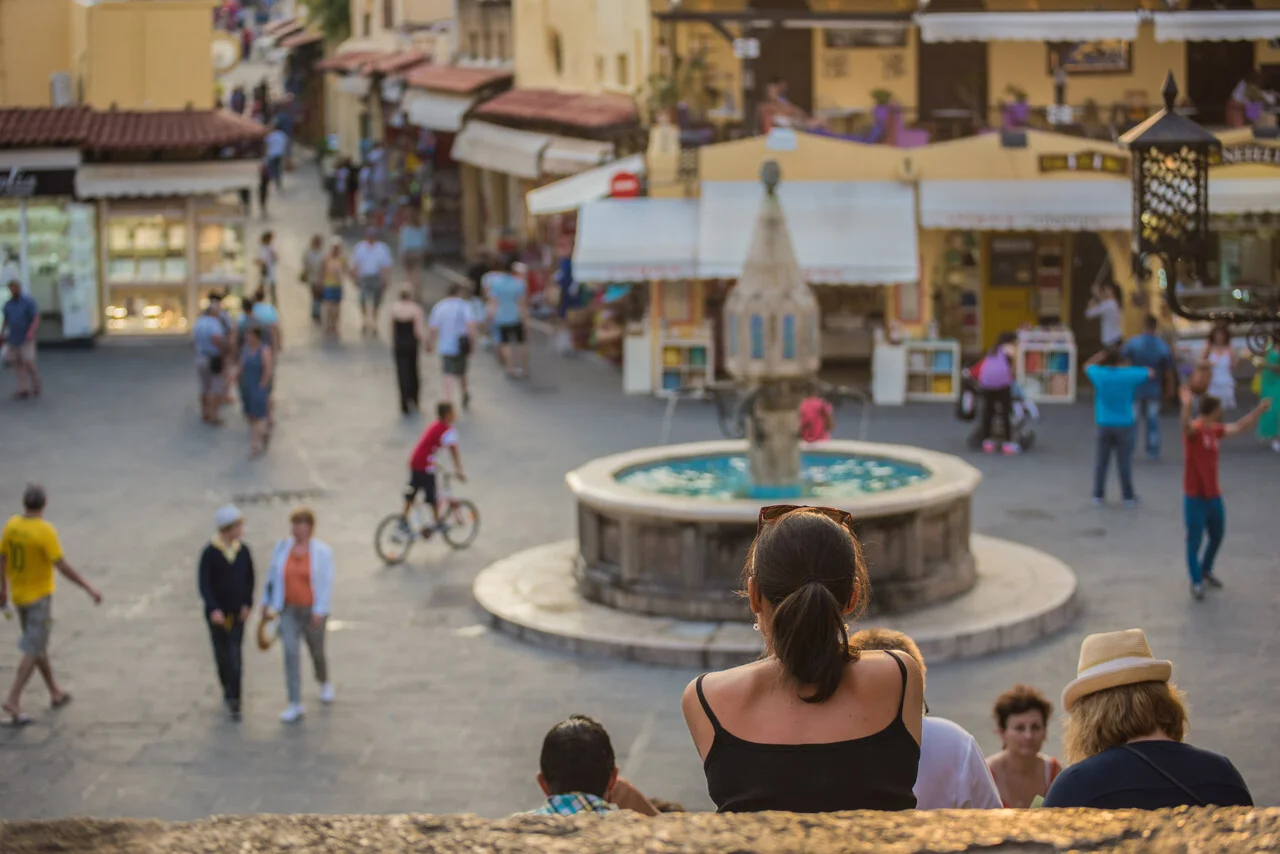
[(30, 548)]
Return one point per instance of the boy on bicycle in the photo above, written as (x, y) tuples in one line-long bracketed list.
[(422, 462)]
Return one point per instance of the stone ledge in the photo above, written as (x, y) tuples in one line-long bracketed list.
[(1203, 831)]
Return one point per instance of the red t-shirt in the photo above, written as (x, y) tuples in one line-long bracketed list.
[(439, 434), (1200, 470), (814, 412)]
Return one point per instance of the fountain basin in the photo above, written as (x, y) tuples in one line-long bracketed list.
[(664, 531)]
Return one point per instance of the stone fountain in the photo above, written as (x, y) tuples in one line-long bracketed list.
[(663, 532)]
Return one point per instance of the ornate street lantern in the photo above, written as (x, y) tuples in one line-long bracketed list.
[(1171, 155)]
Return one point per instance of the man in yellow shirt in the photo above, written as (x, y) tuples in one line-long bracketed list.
[(29, 552)]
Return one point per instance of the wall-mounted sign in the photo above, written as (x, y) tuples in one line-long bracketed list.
[(1249, 152), (23, 184), (624, 185), (891, 36), (1085, 161), (1104, 56)]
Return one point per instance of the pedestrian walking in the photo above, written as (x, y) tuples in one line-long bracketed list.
[(1203, 510), (299, 590), (225, 581), (509, 310), (1115, 385), (1022, 773), (412, 246), (29, 553), (1221, 357), (313, 274), (264, 187), (1148, 350), (277, 146), (257, 367), (1269, 390), (995, 376), (238, 100), (338, 187), (452, 327), (336, 270), (408, 337), (371, 263), (268, 261), (1104, 305), (211, 338), (18, 334)]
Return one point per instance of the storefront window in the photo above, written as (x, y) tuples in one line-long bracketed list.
[(48, 245), (148, 311), (148, 249), (220, 253)]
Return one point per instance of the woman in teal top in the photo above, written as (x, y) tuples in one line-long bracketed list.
[(1269, 425)]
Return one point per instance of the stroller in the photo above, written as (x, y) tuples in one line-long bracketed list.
[(1024, 413)]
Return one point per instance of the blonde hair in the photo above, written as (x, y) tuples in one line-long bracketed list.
[(1115, 716), (888, 640), (303, 514)]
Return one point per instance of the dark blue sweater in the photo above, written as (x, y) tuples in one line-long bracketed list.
[(226, 586)]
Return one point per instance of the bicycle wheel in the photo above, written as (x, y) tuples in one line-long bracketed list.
[(461, 523), (393, 539)]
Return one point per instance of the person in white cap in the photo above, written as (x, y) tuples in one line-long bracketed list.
[(1124, 736), (226, 586)]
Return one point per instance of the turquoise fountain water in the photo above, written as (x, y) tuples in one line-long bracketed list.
[(725, 477)]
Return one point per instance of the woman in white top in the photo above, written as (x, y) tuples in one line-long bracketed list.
[(1222, 366), (1105, 306)]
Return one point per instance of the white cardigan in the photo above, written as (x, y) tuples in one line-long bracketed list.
[(321, 577)]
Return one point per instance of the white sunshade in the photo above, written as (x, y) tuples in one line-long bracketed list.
[(1244, 195), (1244, 25), (354, 84), (501, 149), (571, 193), (127, 180), (1036, 205), (846, 233), (435, 112), (568, 156), (1027, 26), (636, 240)]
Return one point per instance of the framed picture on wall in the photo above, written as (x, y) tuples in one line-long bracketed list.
[(845, 37), (1104, 56)]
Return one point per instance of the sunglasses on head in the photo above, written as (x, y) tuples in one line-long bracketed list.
[(774, 512)]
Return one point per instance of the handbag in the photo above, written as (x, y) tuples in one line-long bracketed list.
[(268, 631)]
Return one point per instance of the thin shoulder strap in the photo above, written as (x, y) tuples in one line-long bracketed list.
[(702, 698), (1196, 799), (902, 698)]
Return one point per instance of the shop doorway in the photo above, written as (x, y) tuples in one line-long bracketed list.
[(1089, 264), (1213, 70), (786, 54)]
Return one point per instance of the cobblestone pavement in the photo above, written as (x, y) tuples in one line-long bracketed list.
[(435, 713)]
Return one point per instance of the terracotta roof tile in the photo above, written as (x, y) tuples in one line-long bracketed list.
[(300, 39), (401, 60), (345, 61), (128, 130), (32, 127), (454, 79), (585, 111)]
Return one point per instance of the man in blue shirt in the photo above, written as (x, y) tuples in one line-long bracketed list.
[(1114, 387), (21, 320), (1148, 350), (509, 307)]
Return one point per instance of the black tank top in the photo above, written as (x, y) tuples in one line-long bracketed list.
[(404, 337), (875, 772)]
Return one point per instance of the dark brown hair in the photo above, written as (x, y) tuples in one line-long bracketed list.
[(809, 568), (1019, 699)]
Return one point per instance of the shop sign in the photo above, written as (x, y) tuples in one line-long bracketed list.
[(624, 185), (1085, 161), (1250, 152)]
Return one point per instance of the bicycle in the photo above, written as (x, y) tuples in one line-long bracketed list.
[(459, 525)]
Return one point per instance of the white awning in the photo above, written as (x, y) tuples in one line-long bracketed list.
[(500, 149), (354, 84), (1218, 25), (568, 156), (572, 193), (636, 240), (1244, 195), (1026, 26), (434, 111), (129, 180), (1034, 205), (846, 233)]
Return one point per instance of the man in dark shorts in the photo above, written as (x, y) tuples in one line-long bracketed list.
[(452, 327), (422, 463), (509, 307)]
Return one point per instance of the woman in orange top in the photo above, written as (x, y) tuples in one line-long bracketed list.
[(299, 590)]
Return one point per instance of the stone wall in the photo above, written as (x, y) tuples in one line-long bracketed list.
[(1182, 831)]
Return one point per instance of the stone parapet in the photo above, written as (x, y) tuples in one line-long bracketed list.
[(1181, 831)]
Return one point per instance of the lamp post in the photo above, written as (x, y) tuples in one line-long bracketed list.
[(1171, 155)]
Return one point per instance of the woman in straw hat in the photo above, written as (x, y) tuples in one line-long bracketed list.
[(1124, 736)]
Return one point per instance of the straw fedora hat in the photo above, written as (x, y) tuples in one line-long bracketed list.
[(1112, 659)]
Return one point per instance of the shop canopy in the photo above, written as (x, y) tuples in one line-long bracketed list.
[(1247, 179), (1027, 26), (138, 180), (568, 156), (572, 193), (1243, 25), (501, 149), (1027, 205), (844, 233), (435, 111), (1239, 196), (636, 240)]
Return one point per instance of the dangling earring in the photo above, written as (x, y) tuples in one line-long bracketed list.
[(755, 627)]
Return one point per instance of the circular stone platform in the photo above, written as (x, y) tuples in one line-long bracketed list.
[(1022, 594)]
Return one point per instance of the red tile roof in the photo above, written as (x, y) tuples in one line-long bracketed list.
[(453, 79), (39, 127), (585, 111), (300, 39), (345, 61), (401, 60), (129, 130)]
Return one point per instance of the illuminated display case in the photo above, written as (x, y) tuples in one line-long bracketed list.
[(156, 310)]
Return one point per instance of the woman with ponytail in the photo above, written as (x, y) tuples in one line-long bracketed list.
[(814, 725)]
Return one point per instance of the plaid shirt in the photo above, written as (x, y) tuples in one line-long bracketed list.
[(574, 803)]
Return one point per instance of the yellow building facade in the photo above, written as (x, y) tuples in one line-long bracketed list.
[(589, 46)]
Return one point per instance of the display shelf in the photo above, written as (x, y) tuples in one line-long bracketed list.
[(684, 362), (1046, 365), (933, 370)]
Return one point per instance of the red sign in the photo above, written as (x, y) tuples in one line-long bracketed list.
[(624, 185)]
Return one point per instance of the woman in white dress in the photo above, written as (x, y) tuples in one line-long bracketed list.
[(1222, 366)]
